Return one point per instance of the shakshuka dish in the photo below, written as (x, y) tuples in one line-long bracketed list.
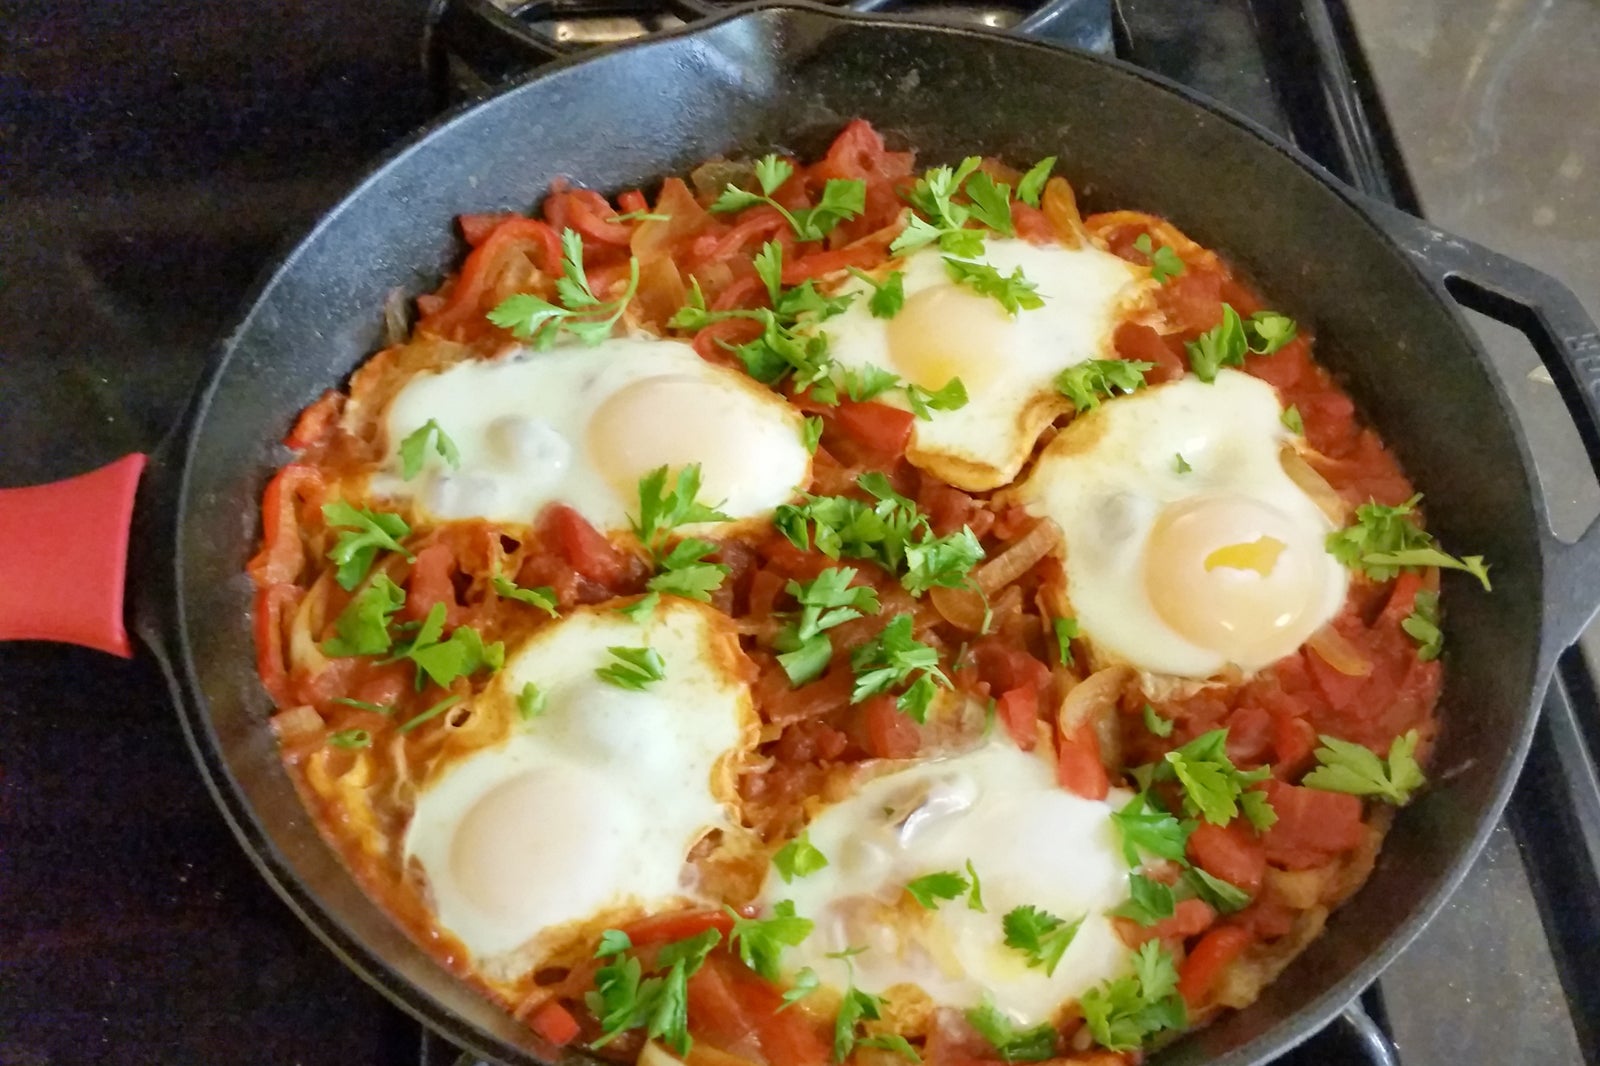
[(848, 612)]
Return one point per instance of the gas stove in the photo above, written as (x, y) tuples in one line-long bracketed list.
[(150, 174)]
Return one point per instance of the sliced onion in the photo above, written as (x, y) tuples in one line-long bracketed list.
[(1060, 206), (396, 322), (962, 608), (298, 725), (1092, 702), (1313, 484), (653, 1054), (1018, 559), (1335, 649)]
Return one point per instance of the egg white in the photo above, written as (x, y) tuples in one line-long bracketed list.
[(1031, 843), (580, 426), (1108, 476), (589, 810), (1007, 363)]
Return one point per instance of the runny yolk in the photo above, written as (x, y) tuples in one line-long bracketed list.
[(948, 331), (1234, 575)]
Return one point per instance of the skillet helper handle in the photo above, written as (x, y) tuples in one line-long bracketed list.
[(1567, 342), (64, 558)]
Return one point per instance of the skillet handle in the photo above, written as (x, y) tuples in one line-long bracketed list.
[(64, 558), (1567, 342)]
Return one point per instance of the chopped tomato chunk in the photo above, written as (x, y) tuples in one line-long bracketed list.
[(1206, 961), (555, 1023), (1230, 852), (1312, 825), (883, 429), (1018, 709)]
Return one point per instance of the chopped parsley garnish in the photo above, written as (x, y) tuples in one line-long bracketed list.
[(975, 893), (1220, 346), (1385, 540), (640, 216), (890, 1042), (990, 203), (1031, 187), (842, 199), (1354, 768), (362, 628), (941, 562), (363, 705), (893, 658), (805, 983), (635, 668), (1292, 421), (1148, 901), (662, 509), (1267, 331), (798, 858), (1088, 381), (442, 660), (1013, 1044), (414, 449), (1066, 630), (1182, 464), (531, 702), (1157, 725), (761, 940), (363, 534), (888, 295), (811, 433), (857, 1007), (624, 999), (1164, 262), (1422, 625), (350, 739), (828, 600), (581, 313), (942, 220), (1122, 1013), (1145, 827), (1039, 935), (543, 597), (929, 889), (684, 571), (951, 397), (868, 382), (1013, 291), (641, 608), (430, 714), (1213, 787), (1224, 896)]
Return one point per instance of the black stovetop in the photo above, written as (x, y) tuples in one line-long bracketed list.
[(153, 154)]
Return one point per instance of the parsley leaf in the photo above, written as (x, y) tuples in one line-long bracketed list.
[(890, 659), (1066, 630), (662, 508), (891, 1042), (1145, 827), (888, 295), (443, 660), (803, 660), (828, 600), (543, 597), (430, 714), (1385, 540), (868, 383), (1422, 625), (635, 668), (1157, 725), (941, 562), (1354, 768), (975, 895), (991, 203), (1014, 292), (943, 219), (1222, 345), (531, 702), (584, 315), (1122, 1012), (798, 858), (1031, 187), (1223, 895), (364, 533), (1148, 901), (623, 999), (1085, 383), (805, 983), (952, 397), (641, 608), (811, 433), (1292, 421), (684, 573), (929, 889), (1164, 262), (1267, 331), (858, 1006), (362, 628), (414, 449), (363, 705), (1013, 1044), (1182, 465), (761, 940), (1212, 785), (350, 739), (1040, 935), (842, 199)]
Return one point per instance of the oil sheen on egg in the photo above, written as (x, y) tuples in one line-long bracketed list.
[(581, 426), (588, 810), (1007, 363), (1181, 568), (1031, 842)]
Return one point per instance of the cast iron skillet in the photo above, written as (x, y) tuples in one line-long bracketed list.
[(1379, 287)]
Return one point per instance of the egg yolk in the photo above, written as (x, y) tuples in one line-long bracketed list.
[(948, 331), (675, 420), (1233, 575)]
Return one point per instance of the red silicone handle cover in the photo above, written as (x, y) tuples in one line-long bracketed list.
[(64, 557)]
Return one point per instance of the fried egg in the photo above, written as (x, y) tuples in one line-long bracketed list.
[(1008, 363), (581, 426), (1188, 546), (587, 810), (1031, 843)]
